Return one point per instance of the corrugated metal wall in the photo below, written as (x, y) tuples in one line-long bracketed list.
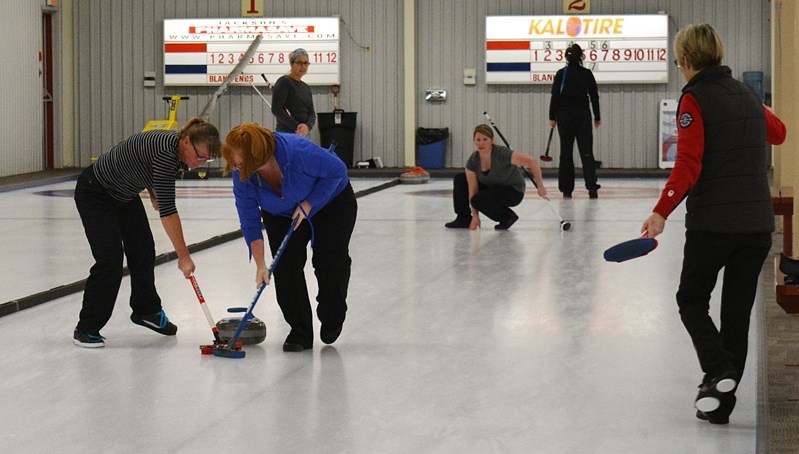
[(20, 88), (450, 37), (118, 41), (115, 42)]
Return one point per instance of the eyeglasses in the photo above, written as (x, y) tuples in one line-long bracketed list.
[(302, 63), (676, 64), (200, 157)]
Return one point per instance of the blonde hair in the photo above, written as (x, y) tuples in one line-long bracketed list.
[(484, 130), (200, 132), (256, 143), (699, 45)]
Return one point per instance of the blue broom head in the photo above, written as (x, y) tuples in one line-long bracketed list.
[(630, 249), (225, 352)]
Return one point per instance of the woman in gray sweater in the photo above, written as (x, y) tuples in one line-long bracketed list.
[(292, 101)]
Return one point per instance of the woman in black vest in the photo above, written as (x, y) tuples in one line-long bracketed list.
[(573, 86), (721, 169)]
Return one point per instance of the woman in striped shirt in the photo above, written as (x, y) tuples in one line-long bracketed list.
[(113, 216)]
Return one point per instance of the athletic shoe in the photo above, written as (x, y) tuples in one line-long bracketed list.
[(88, 340), (722, 414), (711, 393), (505, 225), (330, 332), (292, 344), (295, 347), (157, 322), (459, 223)]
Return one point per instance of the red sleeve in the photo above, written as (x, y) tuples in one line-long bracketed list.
[(690, 149), (775, 128)]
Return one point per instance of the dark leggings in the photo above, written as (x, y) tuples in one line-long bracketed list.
[(114, 229), (571, 126), (332, 228), (705, 254), (494, 202)]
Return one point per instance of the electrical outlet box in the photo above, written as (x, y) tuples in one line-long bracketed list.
[(469, 76)]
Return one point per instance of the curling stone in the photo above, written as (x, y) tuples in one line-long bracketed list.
[(254, 331), (415, 175)]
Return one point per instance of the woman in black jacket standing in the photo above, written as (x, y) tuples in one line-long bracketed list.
[(572, 88)]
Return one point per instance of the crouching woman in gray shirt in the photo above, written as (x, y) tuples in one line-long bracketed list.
[(492, 183)]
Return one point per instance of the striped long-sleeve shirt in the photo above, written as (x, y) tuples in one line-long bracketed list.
[(147, 160)]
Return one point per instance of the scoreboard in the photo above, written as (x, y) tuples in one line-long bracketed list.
[(618, 49), (205, 51)]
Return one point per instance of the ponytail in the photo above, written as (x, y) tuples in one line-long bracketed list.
[(200, 131)]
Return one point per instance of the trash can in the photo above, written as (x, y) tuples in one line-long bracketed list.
[(339, 126), (755, 80), (432, 146)]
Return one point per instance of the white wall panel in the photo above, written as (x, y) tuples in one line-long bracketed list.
[(21, 92)]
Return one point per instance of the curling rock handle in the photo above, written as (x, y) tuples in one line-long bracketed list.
[(254, 331)]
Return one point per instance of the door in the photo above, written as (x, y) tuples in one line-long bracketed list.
[(46, 74)]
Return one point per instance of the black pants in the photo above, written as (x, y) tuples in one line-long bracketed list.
[(571, 126), (705, 254), (114, 229), (332, 229), (494, 202)]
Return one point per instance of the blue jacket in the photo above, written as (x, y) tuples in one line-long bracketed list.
[(310, 173)]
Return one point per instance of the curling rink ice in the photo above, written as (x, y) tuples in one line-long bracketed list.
[(456, 341)]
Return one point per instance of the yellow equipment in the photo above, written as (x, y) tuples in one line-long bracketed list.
[(171, 123)]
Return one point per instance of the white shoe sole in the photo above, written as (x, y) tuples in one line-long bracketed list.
[(88, 345), (711, 403), (707, 404), (726, 385)]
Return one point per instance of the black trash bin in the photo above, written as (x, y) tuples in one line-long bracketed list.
[(432, 146), (339, 127)]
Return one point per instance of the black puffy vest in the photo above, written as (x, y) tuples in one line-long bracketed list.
[(732, 193)]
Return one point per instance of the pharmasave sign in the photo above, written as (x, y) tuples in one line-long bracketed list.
[(204, 51), (618, 49)]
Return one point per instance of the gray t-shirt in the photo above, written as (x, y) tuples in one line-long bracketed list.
[(501, 173)]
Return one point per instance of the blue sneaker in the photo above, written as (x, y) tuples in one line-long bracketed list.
[(157, 322), (88, 340)]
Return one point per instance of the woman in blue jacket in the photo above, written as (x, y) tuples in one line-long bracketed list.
[(281, 176)]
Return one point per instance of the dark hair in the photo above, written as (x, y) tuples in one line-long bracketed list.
[(200, 131), (574, 54)]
